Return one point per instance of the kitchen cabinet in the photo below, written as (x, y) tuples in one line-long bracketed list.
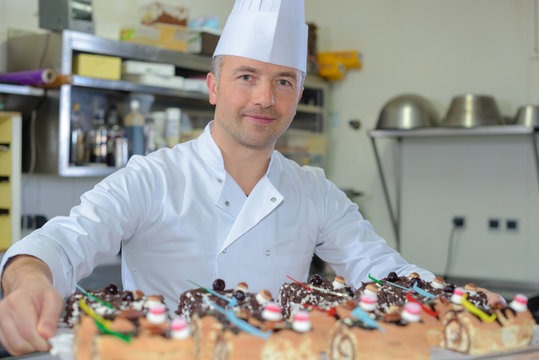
[(10, 178), (58, 49), (399, 135)]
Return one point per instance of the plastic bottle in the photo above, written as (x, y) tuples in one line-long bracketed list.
[(134, 128), (172, 130), (149, 132), (159, 123), (97, 139), (77, 148), (115, 131)]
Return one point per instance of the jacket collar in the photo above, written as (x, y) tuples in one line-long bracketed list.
[(206, 146)]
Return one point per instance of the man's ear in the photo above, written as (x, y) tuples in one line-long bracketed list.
[(300, 94), (211, 82)]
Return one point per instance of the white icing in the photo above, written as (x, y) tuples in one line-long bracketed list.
[(261, 299), (437, 285), (181, 334), (367, 307), (179, 329), (137, 305), (337, 285), (301, 326), (271, 315), (156, 318), (518, 306), (151, 303), (408, 317), (369, 292)]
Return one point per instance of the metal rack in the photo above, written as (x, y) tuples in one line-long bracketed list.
[(395, 215), (57, 50), (20, 90)]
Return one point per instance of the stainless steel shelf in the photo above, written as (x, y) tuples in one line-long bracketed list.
[(120, 85), (498, 130), (476, 131), (58, 49), (21, 90), (83, 42)]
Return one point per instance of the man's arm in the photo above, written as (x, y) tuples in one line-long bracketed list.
[(30, 307)]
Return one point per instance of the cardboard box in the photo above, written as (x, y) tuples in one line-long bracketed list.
[(174, 82), (158, 12), (170, 37), (97, 66), (202, 42), (302, 142), (141, 67), (195, 85)]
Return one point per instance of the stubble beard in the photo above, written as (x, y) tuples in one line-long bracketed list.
[(256, 136)]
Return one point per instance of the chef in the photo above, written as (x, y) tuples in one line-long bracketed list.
[(226, 205)]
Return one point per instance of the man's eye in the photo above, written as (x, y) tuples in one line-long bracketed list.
[(284, 82), (245, 77)]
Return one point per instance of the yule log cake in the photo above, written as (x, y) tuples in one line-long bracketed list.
[(389, 318)]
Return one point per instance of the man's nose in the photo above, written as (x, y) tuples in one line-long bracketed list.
[(264, 94)]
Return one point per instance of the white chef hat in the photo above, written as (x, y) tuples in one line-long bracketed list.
[(271, 31)]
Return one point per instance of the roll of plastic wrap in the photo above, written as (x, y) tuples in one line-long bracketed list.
[(30, 77)]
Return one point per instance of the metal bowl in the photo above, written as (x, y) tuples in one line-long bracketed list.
[(527, 116), (406, 112), (471, 110)]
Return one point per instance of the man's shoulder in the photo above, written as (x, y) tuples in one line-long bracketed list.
[(166, 155), (302, 173)]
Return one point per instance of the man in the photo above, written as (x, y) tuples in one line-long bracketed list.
[(223, 206)]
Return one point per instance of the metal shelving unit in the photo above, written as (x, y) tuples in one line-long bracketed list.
[(437, 132), (57, 50), (119, 85), (21, 90)]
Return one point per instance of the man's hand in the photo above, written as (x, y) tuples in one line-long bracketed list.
[(30, 308)]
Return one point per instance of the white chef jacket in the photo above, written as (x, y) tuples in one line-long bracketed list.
[(177, 216)]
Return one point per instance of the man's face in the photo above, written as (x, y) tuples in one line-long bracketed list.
[(255, 101)]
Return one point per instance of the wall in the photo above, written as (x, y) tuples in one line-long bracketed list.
[(437, 49)]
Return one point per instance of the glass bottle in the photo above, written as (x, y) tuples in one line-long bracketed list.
[(172, 131), (134, 127), (97, 139), (115, 131), (77, 146), (149, 133)]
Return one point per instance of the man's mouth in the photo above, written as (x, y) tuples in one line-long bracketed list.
[(260, 118)]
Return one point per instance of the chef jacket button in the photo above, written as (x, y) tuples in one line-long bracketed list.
[(219, 180), (273, 199), (224, 251), (227, 203), (134, 253), (268, 253)]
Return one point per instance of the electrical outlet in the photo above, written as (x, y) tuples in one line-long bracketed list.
[(459, 221), (494, 224), (511, 224)]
